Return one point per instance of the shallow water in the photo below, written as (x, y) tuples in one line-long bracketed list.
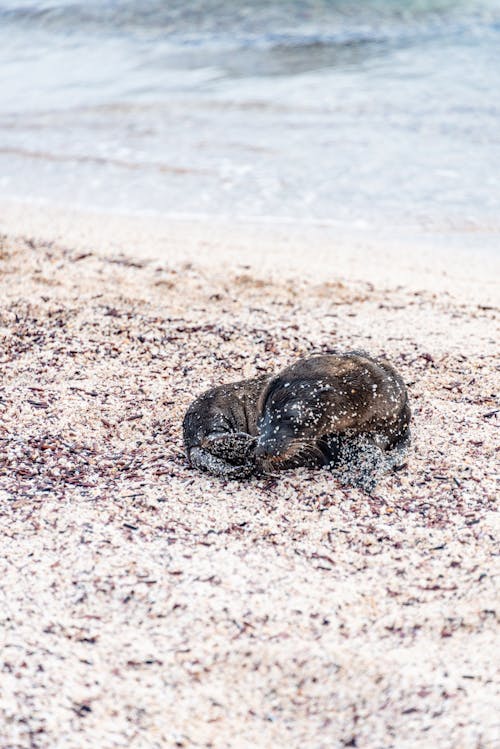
[(386, 113)]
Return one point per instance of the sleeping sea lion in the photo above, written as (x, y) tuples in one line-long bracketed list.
[(347, 412)]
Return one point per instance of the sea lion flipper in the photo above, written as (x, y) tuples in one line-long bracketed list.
[(396, 457), (235, 447), (361, 463), (207, 461)]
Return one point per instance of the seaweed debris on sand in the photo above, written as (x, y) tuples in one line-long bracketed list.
[(145, 604)]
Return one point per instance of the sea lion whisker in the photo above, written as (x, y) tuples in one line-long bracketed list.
[(301, 452), (308, 448)]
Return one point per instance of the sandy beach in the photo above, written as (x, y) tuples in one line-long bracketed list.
[(145, 605)]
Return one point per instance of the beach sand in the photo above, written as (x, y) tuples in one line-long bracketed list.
[(147, 605)]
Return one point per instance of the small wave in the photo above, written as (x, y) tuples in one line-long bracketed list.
[(214, 18), (102, 161)]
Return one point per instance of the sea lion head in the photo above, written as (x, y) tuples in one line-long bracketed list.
[(292, 411)]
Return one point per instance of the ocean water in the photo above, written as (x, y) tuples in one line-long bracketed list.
[(369, 114)]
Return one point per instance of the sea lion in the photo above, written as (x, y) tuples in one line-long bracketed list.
[(220, 428), (347, 412)]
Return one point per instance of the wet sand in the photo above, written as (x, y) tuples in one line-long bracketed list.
[(147, 605)]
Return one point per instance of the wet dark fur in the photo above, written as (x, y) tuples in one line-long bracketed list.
[(220, 428), (347, 412)]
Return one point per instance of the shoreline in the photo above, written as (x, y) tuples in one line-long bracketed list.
[(316, 252), (150, 604)]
